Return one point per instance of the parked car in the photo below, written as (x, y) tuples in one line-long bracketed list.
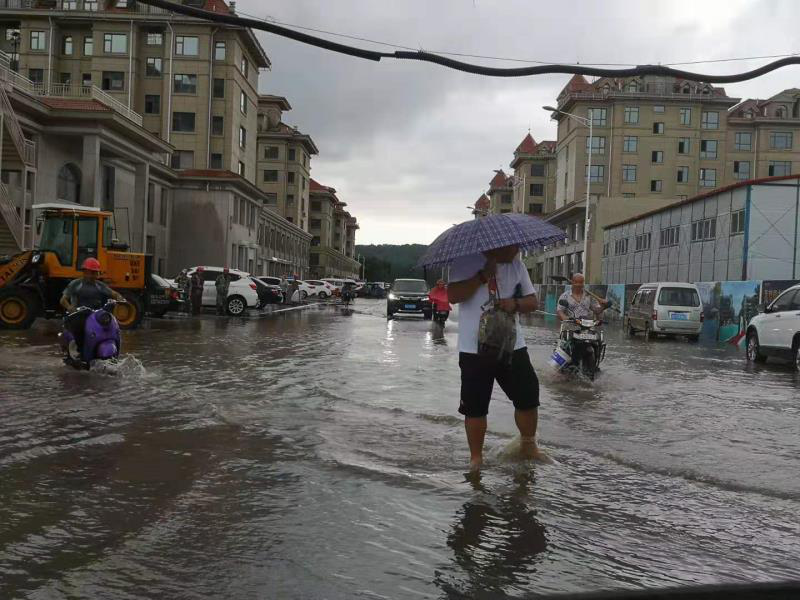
[(409, 296), (776, 331), (323, 289), (163, 297), (666, 308), (242, 293), (336, 285), (267, 293), (274, 283)]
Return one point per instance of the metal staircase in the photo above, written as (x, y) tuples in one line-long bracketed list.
[(16, 148)]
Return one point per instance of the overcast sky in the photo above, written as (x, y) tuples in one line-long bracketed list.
[(409, 145)]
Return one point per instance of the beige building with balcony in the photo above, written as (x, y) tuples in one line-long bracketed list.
[(147, 113), (284, 162), (333, 230), (534, 177), (655, 140)]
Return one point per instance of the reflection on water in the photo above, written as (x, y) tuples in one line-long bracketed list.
[(319, 454)]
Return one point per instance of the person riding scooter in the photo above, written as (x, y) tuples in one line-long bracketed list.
[(440, 302), (87, 292), (581, 304)]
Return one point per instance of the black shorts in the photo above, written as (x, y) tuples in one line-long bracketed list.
[(478, 374)]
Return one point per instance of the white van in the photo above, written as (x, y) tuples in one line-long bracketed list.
[(668, 308)]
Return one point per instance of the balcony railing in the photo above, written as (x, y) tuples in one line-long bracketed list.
[(10, 216), (82, 6)]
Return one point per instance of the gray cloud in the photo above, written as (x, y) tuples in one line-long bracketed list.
[(409, 145)]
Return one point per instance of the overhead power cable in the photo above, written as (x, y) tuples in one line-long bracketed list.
[(438, 59)]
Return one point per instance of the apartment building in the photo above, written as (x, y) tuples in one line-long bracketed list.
[(146, 113), (535, 175), (501, 193), (655, 140), (333, 230), (482, 206), (284, 162)]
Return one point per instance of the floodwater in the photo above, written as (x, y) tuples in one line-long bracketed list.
[(318, 454)]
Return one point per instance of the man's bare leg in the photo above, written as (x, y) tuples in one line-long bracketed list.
[(527, 422), (476, 432)]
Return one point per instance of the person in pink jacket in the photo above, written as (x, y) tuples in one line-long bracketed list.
[(439, 301)]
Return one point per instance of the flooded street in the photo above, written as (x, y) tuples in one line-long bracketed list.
[(319, 454)]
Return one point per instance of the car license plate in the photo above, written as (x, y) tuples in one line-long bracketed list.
[(585, 336), (411, 306), (158, 300), (678, 316)]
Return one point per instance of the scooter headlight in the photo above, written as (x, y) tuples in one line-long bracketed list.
[(36, 259), (104, 318)]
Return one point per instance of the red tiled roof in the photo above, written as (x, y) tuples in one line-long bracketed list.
[(499, 180), (219, 6), (316, 186), (75, 104), (549, 145), (577, 83), (528, 145), (483, 202)]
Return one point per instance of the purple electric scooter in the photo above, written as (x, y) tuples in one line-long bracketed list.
[(101, 339)]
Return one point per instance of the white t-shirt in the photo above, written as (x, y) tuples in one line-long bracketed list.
[(509, 275)]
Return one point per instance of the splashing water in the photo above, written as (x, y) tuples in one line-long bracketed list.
[(127, 366)]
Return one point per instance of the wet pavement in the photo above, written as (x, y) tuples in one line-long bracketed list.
[(318, 454)]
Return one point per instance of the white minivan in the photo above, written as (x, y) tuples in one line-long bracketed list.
[(668, 308)]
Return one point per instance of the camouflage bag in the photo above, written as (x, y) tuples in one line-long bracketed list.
[(497, 330)]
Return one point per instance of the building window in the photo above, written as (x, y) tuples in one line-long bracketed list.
[(183, 159), (86, 80), (290, 177), (186, 45), (151, 202), (153, 67), (780, 140), (271, 152), (657, 156), (683, 145), (115, 43), (597, 173), (709, 120), (242, 137), (632, 114), (670, 236), (217, 125), (185, 84), (38, 40), (183, 122), (243, 103), (241, 169), (621, 246), (605, 249), (216, 161), (245, 67), (741, 169), (658, 128), (655, 185), (270, 176), (658, 108), (150, 245), (88, 46), (36, 75), (708, 148), (66, 45), (598, 145), (537, 170), (708, 177), (152, 104), (706, 229), (630, 143), (737, 222), (219, 88), (68, 184), (65, 78), (537, 189), (219, 50), (535, 209), (642, 242), (628, 173), (291, 154), (683, 175), (598, 116), (154, 38), (289, 198), (779, 167), (686, 116), (164, 208), (113, 81), (744, 140)]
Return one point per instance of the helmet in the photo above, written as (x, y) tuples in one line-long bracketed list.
[(91, 264), (225, 270), (200, 269)]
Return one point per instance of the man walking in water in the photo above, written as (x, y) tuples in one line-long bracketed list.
[(223, 284), (581, 304), (471, 278), (196, 294)]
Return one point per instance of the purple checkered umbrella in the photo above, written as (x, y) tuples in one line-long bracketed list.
[(486, 233)]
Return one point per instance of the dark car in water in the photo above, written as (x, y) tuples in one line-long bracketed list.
[(267, 294), (162, 297), (408, 296)]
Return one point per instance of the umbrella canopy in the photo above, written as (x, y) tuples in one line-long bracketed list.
[(487, 233)]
